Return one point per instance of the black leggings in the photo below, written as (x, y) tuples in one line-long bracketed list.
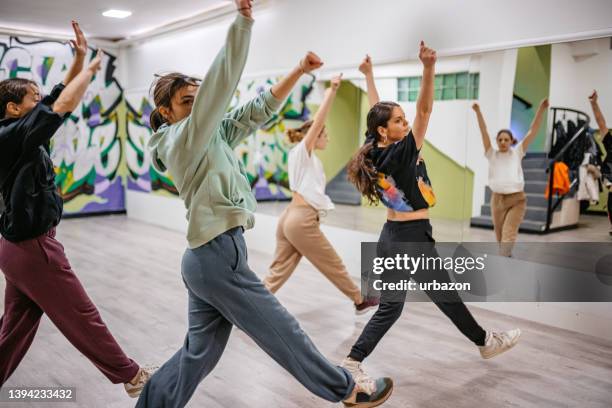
[(389, 311), (610, 207)]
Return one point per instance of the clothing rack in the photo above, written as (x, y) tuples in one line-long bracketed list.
[(557, 111)]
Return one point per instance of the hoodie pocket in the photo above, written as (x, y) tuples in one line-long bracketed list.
[(230, 251), (223, 191)]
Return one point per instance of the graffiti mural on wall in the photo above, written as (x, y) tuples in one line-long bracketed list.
[(141, 175), (87, 149), (264, 155)]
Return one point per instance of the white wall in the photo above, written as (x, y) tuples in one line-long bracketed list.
[(343, 30), (578, 68)]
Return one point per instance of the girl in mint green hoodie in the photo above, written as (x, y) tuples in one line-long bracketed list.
[(194, 141)]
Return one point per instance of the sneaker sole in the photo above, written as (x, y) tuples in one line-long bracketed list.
[(503, 351), (134, 393), (366, 310), (372, 404)]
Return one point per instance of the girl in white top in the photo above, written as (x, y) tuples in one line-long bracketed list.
[(298, 233), (508, 201)]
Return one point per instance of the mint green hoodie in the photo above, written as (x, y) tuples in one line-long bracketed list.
[(198, 150)]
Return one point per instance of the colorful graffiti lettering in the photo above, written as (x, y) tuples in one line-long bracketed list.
[(141, 175), (87, 149)]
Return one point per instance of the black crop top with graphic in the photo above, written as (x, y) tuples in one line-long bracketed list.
[(607, 164), (403, 184)]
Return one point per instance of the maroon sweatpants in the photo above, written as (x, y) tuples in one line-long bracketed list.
[(39, 280)]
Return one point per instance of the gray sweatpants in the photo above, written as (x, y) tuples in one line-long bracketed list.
[(224, 291)]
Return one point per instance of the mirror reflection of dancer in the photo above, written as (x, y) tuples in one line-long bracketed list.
[(39, 278), (194, 140), (506, 181), (606, 135), (298, 232), (388, 169)]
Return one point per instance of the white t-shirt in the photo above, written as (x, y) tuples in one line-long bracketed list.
[(505, 170), (306, 176)]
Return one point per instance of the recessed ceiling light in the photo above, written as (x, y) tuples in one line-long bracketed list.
[(117, 13)]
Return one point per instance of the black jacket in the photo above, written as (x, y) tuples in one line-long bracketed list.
[(27, 179)]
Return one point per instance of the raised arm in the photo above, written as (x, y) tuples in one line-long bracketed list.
[(309, 63), (599, 118), (319, 118), (366, 69), (72, 94), (486, 139), (221, 80), (535, 124), (244, 120), (79, 45), (426, 94), (38, 127)]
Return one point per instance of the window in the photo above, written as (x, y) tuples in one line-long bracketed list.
[(408, 88), (473, 85), (460, 85)]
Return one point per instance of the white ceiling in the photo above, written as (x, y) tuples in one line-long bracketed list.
[(53, 17)]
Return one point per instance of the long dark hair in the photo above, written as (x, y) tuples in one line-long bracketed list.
[(163, 89), (361, 170)]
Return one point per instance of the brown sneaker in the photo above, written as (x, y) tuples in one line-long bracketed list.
[(366, 305), (144, 375)]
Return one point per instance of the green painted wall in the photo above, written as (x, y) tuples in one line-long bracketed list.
[(343, 130), (532, 83), (453, 185)]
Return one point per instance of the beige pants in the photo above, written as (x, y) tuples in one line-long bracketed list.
[(508, 211), (297, 235)]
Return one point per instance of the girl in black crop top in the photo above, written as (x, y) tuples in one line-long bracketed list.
[(606, 135), (389, 167)]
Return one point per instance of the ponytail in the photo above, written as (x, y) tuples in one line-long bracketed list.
[(297, 134), (361, 170), (156, 119), (362, 174), (163, 89)]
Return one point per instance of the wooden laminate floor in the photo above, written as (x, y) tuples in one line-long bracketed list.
[(131, 271)]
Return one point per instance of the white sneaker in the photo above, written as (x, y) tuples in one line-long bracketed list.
[(364, 381), (496, 343), (368, 392), (144, 375)]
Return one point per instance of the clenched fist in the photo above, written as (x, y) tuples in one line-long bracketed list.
[(310, 62)]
